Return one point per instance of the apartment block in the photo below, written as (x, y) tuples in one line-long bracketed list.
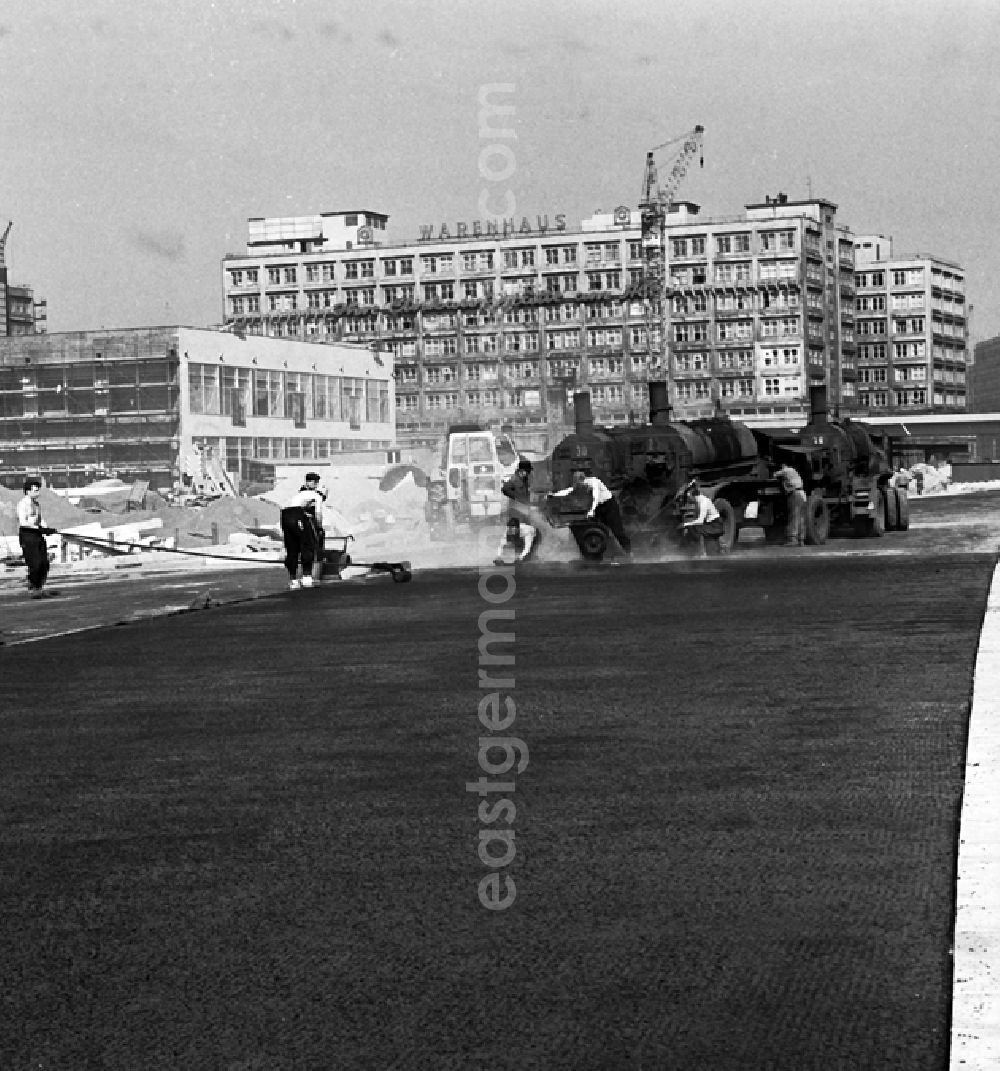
[(912, 331)]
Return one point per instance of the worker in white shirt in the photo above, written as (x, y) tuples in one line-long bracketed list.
[(603, 506), (795, 504), (704, 521), (31, 535), (302, 531)]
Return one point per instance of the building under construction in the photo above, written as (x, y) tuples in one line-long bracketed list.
[(21, 313), (169, 404)]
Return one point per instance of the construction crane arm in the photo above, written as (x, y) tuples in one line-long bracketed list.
[(653, 195)]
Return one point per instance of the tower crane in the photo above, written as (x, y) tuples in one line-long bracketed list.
[(654, 208), (3, 240)]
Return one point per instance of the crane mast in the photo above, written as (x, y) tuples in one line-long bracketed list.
[(3, 241), (654, 207)]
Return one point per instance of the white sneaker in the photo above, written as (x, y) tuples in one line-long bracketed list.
[(307, 581), (294, 586)]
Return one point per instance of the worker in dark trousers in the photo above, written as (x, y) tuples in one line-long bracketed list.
[(302, 531), (518, 489), (31, 535), (790, 481), (520, 529), (704, 522), (603, 506)]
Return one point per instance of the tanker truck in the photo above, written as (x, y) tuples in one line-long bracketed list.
[(646, 466), (846, 475)]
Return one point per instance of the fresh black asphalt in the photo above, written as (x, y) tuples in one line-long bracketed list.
[(241, 837)]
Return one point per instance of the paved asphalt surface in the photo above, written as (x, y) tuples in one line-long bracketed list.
[(241, 837), (128, 590)]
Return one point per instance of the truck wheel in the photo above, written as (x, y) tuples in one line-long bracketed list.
[(593, 542), (817, 520), (730, 532), (875, 524), (902, 509), (890, 508)]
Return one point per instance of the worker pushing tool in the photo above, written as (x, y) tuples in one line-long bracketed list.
[(704, 522), (521, 538), (31, 535), (302, 531), (603, 506)]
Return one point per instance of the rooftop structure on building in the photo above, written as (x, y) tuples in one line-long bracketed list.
[(323, 233), (162, 403)]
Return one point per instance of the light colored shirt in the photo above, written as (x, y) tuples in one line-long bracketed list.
[(29, 513), (313, 500), (707, 511), (792, 480), (599, 493), (528, 534)]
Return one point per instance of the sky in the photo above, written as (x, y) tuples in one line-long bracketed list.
[(137, 139)]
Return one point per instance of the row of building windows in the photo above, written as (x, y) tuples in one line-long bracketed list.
[(89, 401), (680, 275), (299, 396), (266, 448), (880, 399)]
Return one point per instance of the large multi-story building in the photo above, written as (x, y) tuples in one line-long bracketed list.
[(153, 403), (912, 331), (496, 321)]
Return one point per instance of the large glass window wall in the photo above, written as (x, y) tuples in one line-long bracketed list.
[(217, 390)]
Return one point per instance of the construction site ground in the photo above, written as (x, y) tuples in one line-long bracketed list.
[(241, 837)]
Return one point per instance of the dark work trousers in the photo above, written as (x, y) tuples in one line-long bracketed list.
[(609, 514), (36, 555), (301, 536), (795, 531)]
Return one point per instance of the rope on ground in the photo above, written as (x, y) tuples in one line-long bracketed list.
[(116, 544)]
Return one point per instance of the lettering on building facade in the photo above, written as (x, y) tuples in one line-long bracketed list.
[(492, 228)]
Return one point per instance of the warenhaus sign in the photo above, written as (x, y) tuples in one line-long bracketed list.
[(492, 228)]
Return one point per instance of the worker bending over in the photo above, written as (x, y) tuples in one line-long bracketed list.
[(795, 503), (521, 539), (302, 531), (603, 506), (705, 521)]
